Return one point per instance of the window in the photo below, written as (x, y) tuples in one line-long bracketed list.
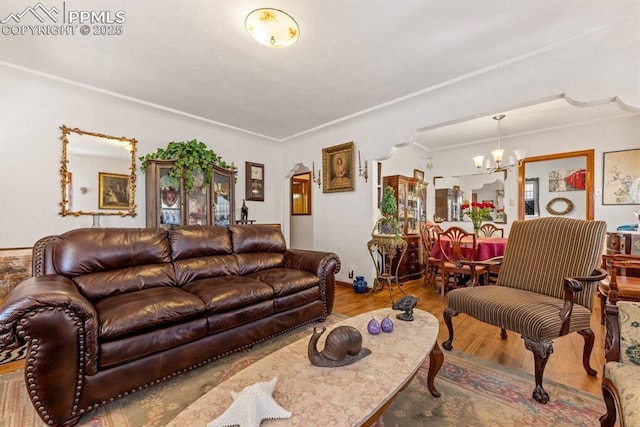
[(531, 207)]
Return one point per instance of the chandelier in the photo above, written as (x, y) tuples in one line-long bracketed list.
[(498, 155), (272, 27)]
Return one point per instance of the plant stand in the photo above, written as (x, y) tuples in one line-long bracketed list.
[(383, 249)]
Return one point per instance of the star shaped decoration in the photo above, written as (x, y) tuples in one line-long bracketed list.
[(252, 405)]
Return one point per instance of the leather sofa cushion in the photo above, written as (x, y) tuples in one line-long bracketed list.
[(105, 284), (219, 322), (225, 293), (188, 270), (285, 281), (90, 250), (129, 313), (137, 346), (257, 238), (195, 241), (253, 262)]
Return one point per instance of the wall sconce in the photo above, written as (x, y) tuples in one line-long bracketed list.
[(318, 179), (363, 173)]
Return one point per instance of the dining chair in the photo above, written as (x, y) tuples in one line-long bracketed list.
[(428, 235), (545, 289), (627, 281), (456, 245), (488, 230)]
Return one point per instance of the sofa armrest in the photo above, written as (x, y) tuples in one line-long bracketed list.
[(323, 264), (50, 304), (312, 261)]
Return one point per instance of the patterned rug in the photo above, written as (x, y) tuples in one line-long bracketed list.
[(474, 393)]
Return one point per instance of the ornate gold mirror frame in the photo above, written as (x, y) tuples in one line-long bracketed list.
[(588, 182), (98, 174)]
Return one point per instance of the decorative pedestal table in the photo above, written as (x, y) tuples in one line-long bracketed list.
[(383, 250)]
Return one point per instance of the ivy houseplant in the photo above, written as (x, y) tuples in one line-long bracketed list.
[(388, 224), (190, 157)]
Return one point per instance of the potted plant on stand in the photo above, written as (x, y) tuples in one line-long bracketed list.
[(388, 224)]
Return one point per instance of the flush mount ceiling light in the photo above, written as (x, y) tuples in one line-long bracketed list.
[(499, 166), (272, 27)]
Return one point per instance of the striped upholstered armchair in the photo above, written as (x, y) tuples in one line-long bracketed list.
[(545, 288)]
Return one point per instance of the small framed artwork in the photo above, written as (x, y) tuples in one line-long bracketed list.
[(254, 181), (338, 167), (113, 191), (567, 180), (418, 174), (621, 177)]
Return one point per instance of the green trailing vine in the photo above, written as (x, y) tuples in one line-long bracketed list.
[(190, 157)]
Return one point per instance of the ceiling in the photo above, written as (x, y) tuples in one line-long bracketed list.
[(353, 56)]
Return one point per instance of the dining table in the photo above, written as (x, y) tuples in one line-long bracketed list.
[(486, 247)]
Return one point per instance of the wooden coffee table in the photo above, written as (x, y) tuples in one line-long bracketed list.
[(352, 395)]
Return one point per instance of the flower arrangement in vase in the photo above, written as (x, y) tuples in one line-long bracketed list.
[(477, 212)]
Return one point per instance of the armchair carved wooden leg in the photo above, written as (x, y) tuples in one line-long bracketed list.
[(589, 340), (448, 314), (541, 351)]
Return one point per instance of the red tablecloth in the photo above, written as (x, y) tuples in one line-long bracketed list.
[(488, 247)]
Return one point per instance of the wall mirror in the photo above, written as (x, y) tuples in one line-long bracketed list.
[(98, 174), (452, 191), (556, 185), (301, 194)]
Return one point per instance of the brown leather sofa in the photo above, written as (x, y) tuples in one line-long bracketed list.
[(114, 310)]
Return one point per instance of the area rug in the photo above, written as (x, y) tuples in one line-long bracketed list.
[(474, 393)]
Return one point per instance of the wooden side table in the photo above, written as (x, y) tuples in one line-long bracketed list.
[(383, 250)]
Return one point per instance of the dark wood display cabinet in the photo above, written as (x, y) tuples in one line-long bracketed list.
[(411, 195), (169, 205)]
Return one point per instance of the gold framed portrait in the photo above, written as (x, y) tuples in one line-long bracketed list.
[(338, 167), (113, 191)]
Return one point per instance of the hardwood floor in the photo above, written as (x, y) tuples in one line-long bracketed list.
[(479, 339), (482, 340)]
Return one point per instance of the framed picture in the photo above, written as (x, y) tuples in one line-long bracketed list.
[(567, 180), (338, 167), (621, 177), (254, 181), (418, 174), (113, 191)]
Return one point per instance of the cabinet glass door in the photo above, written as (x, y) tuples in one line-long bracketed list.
[(412, 208), (198, 201), (223, 194), (170, 207)]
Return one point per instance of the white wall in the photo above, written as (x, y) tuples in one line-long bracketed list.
[(32, 110)]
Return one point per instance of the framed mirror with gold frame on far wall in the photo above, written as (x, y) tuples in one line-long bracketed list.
[(98, 174)]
